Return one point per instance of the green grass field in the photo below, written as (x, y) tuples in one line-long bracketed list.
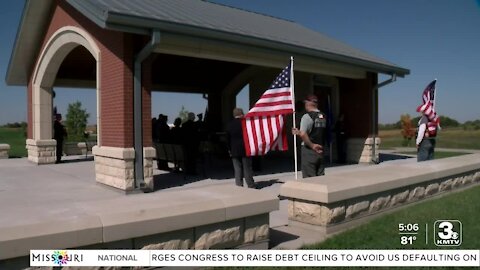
[(383, 232), (15, 137), (447, 138)]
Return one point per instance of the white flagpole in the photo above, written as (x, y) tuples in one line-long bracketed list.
[(435, 103), (292, 87), (435, 99), (330, 143)]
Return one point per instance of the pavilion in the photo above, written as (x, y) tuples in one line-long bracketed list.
[(125, 49)]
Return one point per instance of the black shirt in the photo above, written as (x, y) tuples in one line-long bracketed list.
[(235, 138)]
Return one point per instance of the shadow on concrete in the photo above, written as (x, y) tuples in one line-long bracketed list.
[(77, 159), (173, 179), (267, 183), (388, 157), (15, 157), (277, 237), (221, 169)]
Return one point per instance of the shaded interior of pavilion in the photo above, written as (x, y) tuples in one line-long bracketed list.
[(218, 81)]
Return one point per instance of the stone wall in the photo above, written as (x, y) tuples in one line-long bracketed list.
[(345, 195), (77, 148), (4, 148), (245, 233), (204, 217), (324, 214), (238, 233)]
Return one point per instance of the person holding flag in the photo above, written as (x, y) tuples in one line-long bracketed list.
[(313, 127), (427, 125)]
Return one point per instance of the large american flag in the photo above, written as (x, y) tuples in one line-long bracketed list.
[(263, 126), (428, 98)]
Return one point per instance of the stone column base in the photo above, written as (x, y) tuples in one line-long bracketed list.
[(359, 150), (42, 151), (4, 150), (114, 166)]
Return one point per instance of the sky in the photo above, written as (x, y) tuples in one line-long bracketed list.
[(433, 38)]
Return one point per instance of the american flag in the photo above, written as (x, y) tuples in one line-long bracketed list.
[(428, 107), (263, 126)]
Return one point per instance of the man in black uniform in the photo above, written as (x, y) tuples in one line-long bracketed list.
[(312, 132), (59, 133)]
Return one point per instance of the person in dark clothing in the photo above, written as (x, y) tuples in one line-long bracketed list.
[(312, 132), (163, 136), (190, 143), (242, 164), (341, 139), (176, 131), (59, 134), (163, 130), (154, 130)]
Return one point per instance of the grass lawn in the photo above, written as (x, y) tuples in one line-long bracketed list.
[(15, 137), (447, 138), (382, 233)]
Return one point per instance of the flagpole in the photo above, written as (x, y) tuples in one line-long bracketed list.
[(435, 103), (292, 86), (329, 118)]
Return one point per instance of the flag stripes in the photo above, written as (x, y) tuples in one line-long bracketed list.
[(264, 125), (264, 134), (428, 98)]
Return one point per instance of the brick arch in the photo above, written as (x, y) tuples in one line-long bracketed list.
[(60, 44)]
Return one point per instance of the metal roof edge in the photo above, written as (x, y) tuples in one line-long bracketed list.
[(93, 12), (8, 79), (24, 32), (119, 20)]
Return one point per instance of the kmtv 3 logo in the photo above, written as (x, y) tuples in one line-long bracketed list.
[(447, 233)]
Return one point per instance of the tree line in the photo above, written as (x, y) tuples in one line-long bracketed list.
[(15, 125), (76, 122), (445, 122)]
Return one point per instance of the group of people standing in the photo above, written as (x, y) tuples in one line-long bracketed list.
[(313, 128), (188, 134), (313, 132)]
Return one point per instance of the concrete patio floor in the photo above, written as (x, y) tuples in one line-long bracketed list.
[(26, 190)]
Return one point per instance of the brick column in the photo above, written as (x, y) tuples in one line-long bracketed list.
[(114, 158), (42, 151)]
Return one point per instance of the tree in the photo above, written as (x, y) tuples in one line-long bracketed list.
[(408, 132), (446, 121), (183, 114), (76, 121)]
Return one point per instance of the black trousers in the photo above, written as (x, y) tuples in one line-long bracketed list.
[(243, 169), (59, 150)]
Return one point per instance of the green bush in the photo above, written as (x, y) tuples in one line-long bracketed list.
[(76, 122)]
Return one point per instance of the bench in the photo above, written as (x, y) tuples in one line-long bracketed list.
[(171, 153)]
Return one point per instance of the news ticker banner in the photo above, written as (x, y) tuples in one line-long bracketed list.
[(223, 258)]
